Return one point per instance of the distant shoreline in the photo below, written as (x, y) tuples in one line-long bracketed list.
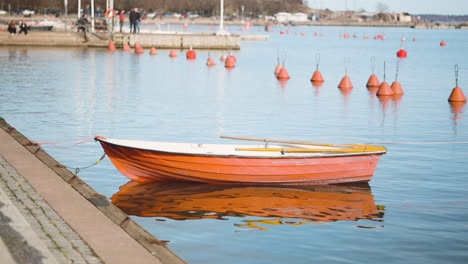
[(71, 20)]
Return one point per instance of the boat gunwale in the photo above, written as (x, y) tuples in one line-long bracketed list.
[(333, 155)]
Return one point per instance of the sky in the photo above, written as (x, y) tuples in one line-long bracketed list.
[(443, 7)]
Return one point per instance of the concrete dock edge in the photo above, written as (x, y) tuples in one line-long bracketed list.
[(110, 233)]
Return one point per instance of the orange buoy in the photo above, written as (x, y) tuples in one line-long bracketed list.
[(283, 74), (396, 88), (232, 57), (230, 62), (373, 81), (139, 50), (136, 45), (153, 51), (278, 69), (402, 53), (443, 44), (384, 90), (191, 54), (173, 53), (317, 77), (111, 46), (345, 83), (210, 62), (126, 47), (414, 39), (366, 37), (457, 94)]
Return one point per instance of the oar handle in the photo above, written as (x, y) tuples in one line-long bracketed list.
[(279, 141)]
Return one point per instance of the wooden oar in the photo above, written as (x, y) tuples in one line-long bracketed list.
[(288, 142), (301, 150)]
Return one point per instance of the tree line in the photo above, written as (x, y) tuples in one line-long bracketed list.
[(200, 7)]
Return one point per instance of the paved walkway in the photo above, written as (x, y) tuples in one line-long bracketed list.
[(48, 215), (32, 232)]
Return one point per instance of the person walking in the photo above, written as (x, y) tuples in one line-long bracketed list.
[(121, 19)]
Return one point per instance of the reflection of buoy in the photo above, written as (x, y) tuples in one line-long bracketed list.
[(210, 62), (126, 47), (173, 53), (153, 51), (191, 54), (317, 84), (345, 83), (402, 53), (457, 108), (457, 94), (373, 81), (443, 44), (230, 62), (283, 74), (111, 46)]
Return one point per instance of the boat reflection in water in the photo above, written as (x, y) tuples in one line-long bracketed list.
[(286, 205)]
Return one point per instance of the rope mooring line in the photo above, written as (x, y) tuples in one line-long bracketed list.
[(82, 140), (77, 170)]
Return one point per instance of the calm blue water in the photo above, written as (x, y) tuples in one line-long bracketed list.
[(418, 197)]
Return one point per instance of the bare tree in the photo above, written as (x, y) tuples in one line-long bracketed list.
[(382, 7)]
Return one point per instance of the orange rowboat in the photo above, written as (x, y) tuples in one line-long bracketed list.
[(271, 164)]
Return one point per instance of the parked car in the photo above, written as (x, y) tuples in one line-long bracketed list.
[(3, 12), (27, 12), (151, 15)]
